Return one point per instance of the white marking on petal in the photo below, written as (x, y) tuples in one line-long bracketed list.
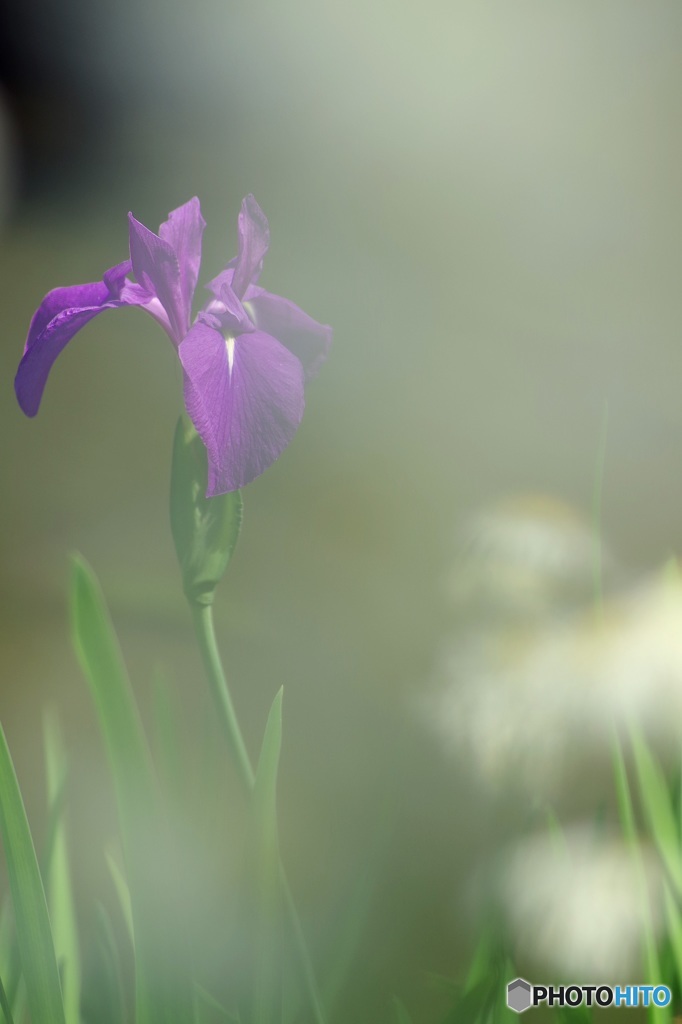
[(229, 345)]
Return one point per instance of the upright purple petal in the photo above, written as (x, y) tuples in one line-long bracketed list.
[(245, 398), (305, 337), (157, 271), (183, 231), (60, 315), (254, 240)]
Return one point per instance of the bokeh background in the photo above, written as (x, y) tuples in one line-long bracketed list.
[(483, 199)]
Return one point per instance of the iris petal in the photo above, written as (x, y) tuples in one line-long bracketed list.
[(309, 340), (254, 241), (53, 326), (183, 231), (245, 400), (157, 271)]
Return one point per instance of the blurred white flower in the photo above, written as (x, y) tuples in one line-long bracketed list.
[(575, 904), (535, 678), (526, 556)]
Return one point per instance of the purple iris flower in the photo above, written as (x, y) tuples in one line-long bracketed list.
[(245, 358)]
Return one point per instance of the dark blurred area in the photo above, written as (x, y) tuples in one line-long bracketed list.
[(483, 200)]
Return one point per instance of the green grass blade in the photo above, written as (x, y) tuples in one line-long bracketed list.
[(657, 806), (10, 968), (673, 920), (352, 921), (627, 817), (107, 1003), (352, 916), (626, 811), (266, 890), (122, 893), (4, 1005), (60, 893), (34, 937), (206, 1003), (163, 988), (100, 657), (400, 1014)]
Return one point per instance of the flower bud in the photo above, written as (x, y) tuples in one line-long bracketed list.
[(205, 530)]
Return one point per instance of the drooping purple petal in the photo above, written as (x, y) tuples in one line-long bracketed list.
[(183, 231), (157, 271), (225, 276), (254, 240), (133, 294), (115, 278), (61, 314), (228, 313), (284, 320), (245, 398)]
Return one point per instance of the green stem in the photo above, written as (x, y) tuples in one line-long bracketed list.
[(205, 633)]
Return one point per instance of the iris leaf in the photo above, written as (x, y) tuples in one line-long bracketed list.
[(649, 784), (60, 893), (163, 988), (658, 809), (673, 919), (265, 876), (122, 893), (401, 1016), (34, 937)]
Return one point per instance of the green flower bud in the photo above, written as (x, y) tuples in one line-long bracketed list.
[(205, 530)]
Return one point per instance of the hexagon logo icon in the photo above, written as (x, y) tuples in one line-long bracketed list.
[(518, 995)]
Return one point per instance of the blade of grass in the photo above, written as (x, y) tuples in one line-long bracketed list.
[(400, 1013), (208, 1002), (353, 913), (657, 806), (11, 966), (123, 894), (107, 989), (163, 988), (60, 894), (627, 818), (4, 1005), (673, 919), (205, 633), (266, 893), (352, 920), (34, 937)]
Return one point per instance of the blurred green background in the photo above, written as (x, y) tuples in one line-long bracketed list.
[(482, 198)]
